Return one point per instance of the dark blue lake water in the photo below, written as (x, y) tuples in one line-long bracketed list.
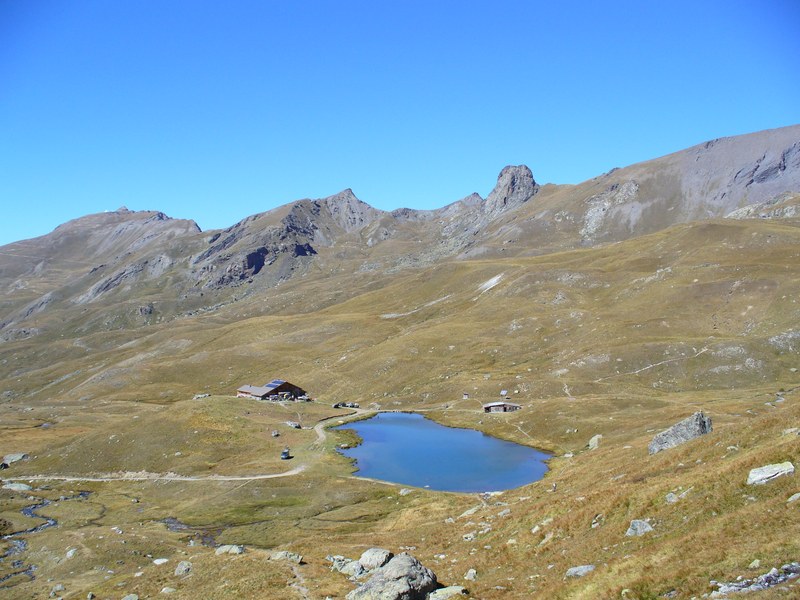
[(407, 448)]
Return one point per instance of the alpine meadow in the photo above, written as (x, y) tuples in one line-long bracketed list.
[(137, 465)]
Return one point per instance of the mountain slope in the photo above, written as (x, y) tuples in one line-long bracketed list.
[(616, 307)]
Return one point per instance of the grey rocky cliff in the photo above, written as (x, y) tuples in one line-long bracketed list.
[(515, 186)]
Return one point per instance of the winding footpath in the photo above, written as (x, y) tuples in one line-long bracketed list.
[(145, 476), (319, 429)]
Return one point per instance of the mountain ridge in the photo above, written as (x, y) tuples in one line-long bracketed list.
[(599, 309), (148, 257)]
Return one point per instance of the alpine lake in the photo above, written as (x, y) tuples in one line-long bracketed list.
[(408, 449)]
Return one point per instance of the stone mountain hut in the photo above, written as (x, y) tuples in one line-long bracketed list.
[(500, 407), (277, 388)]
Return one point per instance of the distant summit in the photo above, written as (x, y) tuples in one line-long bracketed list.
[(515, 185), (123, 260)]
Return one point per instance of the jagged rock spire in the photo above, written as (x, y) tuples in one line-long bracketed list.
[(515, 185)]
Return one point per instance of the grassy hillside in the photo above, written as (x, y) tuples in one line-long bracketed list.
[(621, 340)]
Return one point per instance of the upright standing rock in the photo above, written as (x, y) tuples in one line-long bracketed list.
[(688, 429)]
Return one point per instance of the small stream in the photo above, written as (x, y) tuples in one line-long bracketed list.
[(19, 545), (206, 536)]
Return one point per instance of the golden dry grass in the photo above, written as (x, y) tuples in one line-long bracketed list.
[(621, 340)]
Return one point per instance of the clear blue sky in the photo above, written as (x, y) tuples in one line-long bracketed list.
[(217, 110)]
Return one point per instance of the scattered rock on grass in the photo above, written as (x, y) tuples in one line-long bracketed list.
[(59, 587), (579, 571), (346, 566), (762, 582), (184, 568), (793, 498), (10, 459), (765, 474), (471, 575), (638, 527), (594, 443), (448, 592), (672, 497), (229, 549), (286, 555), (17, 487), (688, 429)]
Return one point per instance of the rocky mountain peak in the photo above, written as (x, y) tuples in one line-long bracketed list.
[(348, 211), (515, 185)]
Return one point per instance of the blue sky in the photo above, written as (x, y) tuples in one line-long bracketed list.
[(214, 111)]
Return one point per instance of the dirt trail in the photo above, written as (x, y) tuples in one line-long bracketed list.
[(145, 476), (317, 444), (319, 429)]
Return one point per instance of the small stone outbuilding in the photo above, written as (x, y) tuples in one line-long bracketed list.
[(500, 407)]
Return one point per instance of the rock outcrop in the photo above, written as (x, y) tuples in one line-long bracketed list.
[(515, 186), (688, 429)]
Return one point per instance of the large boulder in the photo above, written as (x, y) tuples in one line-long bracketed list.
[(763, 475), (688, 429), (402, 578)]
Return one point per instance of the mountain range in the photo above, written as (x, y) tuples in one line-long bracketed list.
[(153, 267), (607, 310)]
